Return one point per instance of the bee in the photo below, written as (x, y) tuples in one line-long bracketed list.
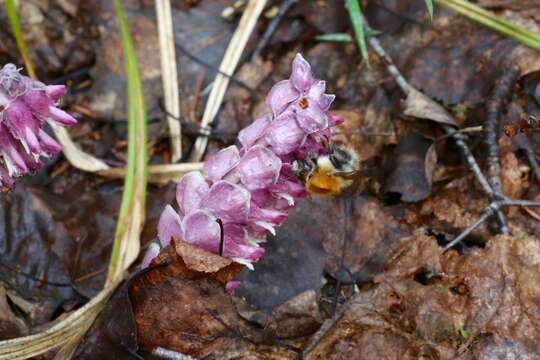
[(332, 174)]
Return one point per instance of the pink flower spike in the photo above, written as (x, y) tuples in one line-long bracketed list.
[(169, 226), (191, 191), (249, 135), (301, 75), (24, 106), (259, 168), (229, 202), (218, 165)]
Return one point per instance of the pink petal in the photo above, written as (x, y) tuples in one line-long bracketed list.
[(316, 94), (284, 134), (38, 101), (202, 229), (13, 160), (259, 168), (56, 91), (235, 248), (268, 215), (281, 96), (249, 135), (151, 253), (191, 191), (217, 166), (61, 117), (22, 125), (301, 75), (169, 226), (232, 286), (229, 202), (48, 144), (311, 119), (334, 120)]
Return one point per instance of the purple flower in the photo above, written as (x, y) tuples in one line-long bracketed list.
[(25, 105), (244, 194)]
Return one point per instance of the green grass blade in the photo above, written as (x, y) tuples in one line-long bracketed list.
[(497, 23), (336, 37), (429, 5), (15, 25), (358, 26), (126, 241)]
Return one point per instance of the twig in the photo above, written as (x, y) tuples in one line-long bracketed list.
[(169, 75), (493, 207), (228, 65), (209, 66), (502, 88), (525, 145), (459, 138), (271, 28)]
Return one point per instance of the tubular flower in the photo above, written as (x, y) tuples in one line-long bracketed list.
[(245, 193), (25, 105)]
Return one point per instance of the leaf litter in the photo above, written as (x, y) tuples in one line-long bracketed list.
[(387, 291)]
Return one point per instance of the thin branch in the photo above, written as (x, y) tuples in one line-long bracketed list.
[(502, 88), (272, 26), (486, 213)]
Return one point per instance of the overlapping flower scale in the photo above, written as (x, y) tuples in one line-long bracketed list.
[(25, 105), (245, 193)]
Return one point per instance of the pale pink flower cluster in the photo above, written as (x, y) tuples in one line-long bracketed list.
[(245, 193), (25, 105)]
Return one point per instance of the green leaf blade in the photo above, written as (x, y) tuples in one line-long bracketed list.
[(429, 5), (355, 15)]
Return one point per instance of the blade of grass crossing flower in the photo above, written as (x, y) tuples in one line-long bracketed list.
[(126, 241), (429, 5), (15, 25), (493, 21), (358, 27)]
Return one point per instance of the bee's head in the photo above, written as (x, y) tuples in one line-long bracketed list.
[(330, 174)]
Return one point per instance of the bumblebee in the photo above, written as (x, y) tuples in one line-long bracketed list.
[(332, 174)]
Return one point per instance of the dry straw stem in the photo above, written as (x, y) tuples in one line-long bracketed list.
[(228, 65), (169, 76), (59, 334), (158, 174)]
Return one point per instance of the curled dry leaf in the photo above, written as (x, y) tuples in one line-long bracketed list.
[(421, 106)]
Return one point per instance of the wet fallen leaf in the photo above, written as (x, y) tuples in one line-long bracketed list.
[(410, 169)]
